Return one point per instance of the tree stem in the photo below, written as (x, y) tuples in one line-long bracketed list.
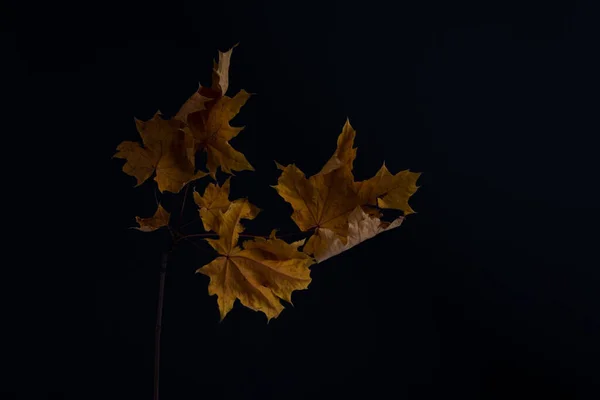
[(158, 329)]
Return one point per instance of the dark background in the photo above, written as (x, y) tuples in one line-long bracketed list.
[(488, 292)]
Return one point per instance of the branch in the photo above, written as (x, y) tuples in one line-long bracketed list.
[(158, 329), (214, 234)]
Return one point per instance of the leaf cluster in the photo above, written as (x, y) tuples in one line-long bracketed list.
[(334, 210)]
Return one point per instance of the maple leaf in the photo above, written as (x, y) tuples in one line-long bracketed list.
[(202, 98), (215, 200), (166, 151), (345, 154), (321, 201), (212, 132), (158, 220), (389, 191), (361, 227), (207, 114), (141, 161), (326, 200), (259, 273), (175, 167), (196, 102)]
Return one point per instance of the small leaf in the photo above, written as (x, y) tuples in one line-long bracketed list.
[(215, 200), (158, 220), (389, 191), (345, 154), (220, 77)]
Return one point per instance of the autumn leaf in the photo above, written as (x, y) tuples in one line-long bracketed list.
[(259, 273), (345, 154), (215, 200), (202, 98), (141, 161), (175, 168), (361, 227), (207, 115), (212, 132), (196, 102), (158, 220), (220, 75), (321, 201), (166, 151), (326, 200), (389, 191)]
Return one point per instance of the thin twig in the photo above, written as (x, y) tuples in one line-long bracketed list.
[(158, 329), (213, 234), (185, 194), (189, 223)]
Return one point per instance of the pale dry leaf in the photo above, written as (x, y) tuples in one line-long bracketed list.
[(361, 227)]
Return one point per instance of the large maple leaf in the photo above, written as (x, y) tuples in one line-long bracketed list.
[(321, 201), (166, 151), (259, 273), (326, 200)]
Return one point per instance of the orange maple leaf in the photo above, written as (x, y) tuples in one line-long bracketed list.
[(259, 273)]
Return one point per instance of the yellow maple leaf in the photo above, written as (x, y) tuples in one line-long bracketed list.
[(207, 115), (212, 132), (215, 200), (166, 151), (202, 98), (259, 273), (321, 201), (197, 102), (158, 220), (326, 200), (345, 153), (141, 161), (389, 191), (175, 168)]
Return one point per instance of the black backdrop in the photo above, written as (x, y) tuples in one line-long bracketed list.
[(488, 292)]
